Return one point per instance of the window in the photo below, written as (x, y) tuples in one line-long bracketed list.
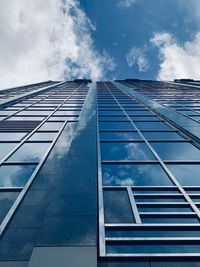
[(134, 175), (176, 151), (30, 152), (125, 151)]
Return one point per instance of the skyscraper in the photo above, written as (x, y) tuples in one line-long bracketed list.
[(100, 174)]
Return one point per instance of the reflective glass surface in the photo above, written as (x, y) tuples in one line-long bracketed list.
[(6, 148), (152, 126), (11, 136), (115, 125), (186, 174), (119, 136), (30, 152), (15, 175), (51, 126), (174, 151), (162, 135), (117, 207), (6, 201), (42, 136), (125, 151), (134, 174)]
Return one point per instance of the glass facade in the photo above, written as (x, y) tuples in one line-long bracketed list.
[(96, 165)]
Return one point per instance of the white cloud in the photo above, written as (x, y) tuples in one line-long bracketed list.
[(136, 56), (48, 39), (126, 3), (177, 60)]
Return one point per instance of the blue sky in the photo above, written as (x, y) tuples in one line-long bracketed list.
[(98, 39), (120, 27)]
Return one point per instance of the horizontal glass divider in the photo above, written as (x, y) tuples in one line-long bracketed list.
[(169, 214), (121, 141), (149, 140), (20, 163), (142, 131), (150, 239), (158, 195), (162, 204), (130, 161), (164, 187), (10, 189), (11, 141), (154, 226), (39, 141), (152, 255)]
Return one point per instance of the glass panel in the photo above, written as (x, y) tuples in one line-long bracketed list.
[(174, 151), (166, 208), (66, 113), (117, 207), (15, 175), (111, 112), (11, 136), (119, 136), (168, 219), (6, 201), (186, 174), (154, 248), (153, 232), (115, 126), (6, 148), (162, 135), (134, 174), (152, 126), (42, 136), (17, 118), (51, 126), (125, 151), (30, 152)]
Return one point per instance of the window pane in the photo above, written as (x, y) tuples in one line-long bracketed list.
[(30, 152), (11, 136), (174, 151), (42, 136), (15, 175), (134, 174), (152, 126), (6, 148), (115, 126), (186, 174), (125, 151), (6, 201), (119, 136), (51, 126), (117, 207), (161, 135)]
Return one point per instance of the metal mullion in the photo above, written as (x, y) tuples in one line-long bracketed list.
[(31, 133), (30, 180), (171, 176), (133, 205), (34, 102), (102, 243)]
